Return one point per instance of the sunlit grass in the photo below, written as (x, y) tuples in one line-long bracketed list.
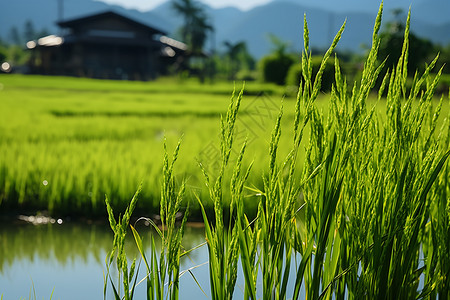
[(81, 136)]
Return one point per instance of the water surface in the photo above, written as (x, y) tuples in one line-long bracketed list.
[(68, 260)]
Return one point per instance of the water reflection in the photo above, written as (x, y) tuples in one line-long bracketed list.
[(63, 244), (69, 258)]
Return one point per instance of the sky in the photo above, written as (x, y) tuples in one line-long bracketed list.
[(145, 5)]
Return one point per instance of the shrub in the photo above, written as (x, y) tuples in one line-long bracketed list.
[(275, 67), (246, 75), (3, 53), (295, 73)]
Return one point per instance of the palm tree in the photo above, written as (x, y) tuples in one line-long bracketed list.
[(196, 26), (194, 32), (233, 51), (188, 9), (199, 34)]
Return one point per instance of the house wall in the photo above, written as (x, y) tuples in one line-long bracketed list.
[(108, 46), (118, 62)]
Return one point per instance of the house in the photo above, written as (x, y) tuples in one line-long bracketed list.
[(105, 45)]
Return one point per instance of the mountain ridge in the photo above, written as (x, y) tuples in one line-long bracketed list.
[(283, 18)]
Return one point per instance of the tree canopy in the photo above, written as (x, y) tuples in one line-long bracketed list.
[(194, 31), (391, 44)]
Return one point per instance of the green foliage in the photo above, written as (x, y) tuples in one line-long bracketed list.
[(294, 75), (444, 60), (222, 238), (237, 59), (3, 53), (13, 54), (66, 142), (391, 42), (377, 178), (168, 267), (366, 214), (274, 68), (20, 36), (127, 277), (196, 26)]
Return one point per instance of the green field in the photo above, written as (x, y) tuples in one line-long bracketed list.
[(66, 142)]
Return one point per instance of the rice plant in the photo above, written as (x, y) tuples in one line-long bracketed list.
[(373, 185), (163, 270), (222, 236), (364, 215), (127, 278)]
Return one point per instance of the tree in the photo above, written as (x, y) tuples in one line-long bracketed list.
[(294, 76), (238, 58), (29, 33), (14, 36), (392, 42), (3, 53), (444, 58), (279, 47), (274, 67), (200, 28), (194, 32)]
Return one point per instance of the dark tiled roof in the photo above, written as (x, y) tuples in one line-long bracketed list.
[(74, 22)]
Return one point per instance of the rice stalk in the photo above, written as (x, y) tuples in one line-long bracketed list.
[(163, 270), (223, 241), (125, 282)]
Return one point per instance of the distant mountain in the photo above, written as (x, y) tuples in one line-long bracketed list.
[(283, 18), (286, 22), (222, 19), (44, 14), (353, 5), (436, 12)]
